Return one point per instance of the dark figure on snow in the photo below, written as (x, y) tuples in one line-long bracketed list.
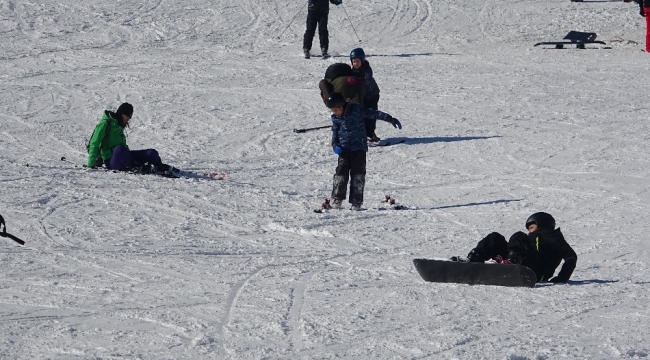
[(542, 249), (349, 142), (361, 69), (317, 13), (107, 145), (340, 79), (644, 8)]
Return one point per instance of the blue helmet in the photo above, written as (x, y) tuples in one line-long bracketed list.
[(357, 53)]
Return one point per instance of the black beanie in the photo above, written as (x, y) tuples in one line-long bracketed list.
[(126, 109)]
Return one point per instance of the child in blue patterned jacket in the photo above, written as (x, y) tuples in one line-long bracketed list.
[(350, 144)]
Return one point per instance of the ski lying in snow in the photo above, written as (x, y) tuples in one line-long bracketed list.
[(386, 143), (200, 175), (441, 271)]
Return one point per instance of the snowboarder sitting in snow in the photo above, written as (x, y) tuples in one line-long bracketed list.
[(107, 145), (350, 144), (339, 79), (542, 249), (361, 68)]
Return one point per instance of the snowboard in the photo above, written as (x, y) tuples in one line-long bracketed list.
[(443, 271)]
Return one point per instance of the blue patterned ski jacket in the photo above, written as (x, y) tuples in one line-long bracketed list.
[(349, 130)]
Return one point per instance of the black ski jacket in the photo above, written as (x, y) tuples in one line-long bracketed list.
[(322, 5), (551, 248), (365, 72)]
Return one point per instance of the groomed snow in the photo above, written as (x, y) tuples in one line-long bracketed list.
[(143, 267)]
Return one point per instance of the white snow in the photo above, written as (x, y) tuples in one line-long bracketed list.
[(142, 267)]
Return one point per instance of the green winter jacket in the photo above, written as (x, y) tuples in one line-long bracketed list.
[(102, 143), (352, 88)]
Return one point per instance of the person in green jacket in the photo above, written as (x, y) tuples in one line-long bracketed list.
[(108, 144)]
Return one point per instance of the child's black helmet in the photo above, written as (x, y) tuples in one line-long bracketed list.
[(336, 99), (542, 220), (358, 53)]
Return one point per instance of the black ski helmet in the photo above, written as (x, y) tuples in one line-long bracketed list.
[(336, 99), (542, 220), (358, 53)]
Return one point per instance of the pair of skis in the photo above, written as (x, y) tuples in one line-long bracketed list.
[(388, 200), (174, 173)]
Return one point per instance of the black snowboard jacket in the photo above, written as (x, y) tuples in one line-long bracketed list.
[(322, 5), (550, 248)]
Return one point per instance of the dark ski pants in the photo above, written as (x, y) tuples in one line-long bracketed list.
[(316, 18), (123, 158), (647, 30), (371, 124), (351, 167), (495, 244)]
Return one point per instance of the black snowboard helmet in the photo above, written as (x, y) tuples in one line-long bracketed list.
[(336, 99), (542, 220)]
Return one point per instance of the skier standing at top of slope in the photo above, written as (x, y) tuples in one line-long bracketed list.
[(317, 14), (542, 249)]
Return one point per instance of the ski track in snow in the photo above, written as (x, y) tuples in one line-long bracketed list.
[(129, 266)]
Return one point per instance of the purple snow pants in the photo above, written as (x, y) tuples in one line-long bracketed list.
[(123, 158)]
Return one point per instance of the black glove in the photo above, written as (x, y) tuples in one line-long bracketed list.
[(395, 123)]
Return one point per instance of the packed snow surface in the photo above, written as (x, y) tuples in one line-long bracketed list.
[(133, 266)]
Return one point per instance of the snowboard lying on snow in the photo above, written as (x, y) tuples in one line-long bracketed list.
[(442, 271)]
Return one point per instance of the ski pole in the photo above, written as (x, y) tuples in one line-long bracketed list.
[(5, 234), (68, 161), (291, 22), (310, 129), (346, 15)]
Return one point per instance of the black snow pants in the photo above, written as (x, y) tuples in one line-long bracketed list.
[(351, 167), (371, 124), (517, 249), (314, 18)]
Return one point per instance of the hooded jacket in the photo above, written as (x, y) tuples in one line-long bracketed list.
[(103, 143)]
